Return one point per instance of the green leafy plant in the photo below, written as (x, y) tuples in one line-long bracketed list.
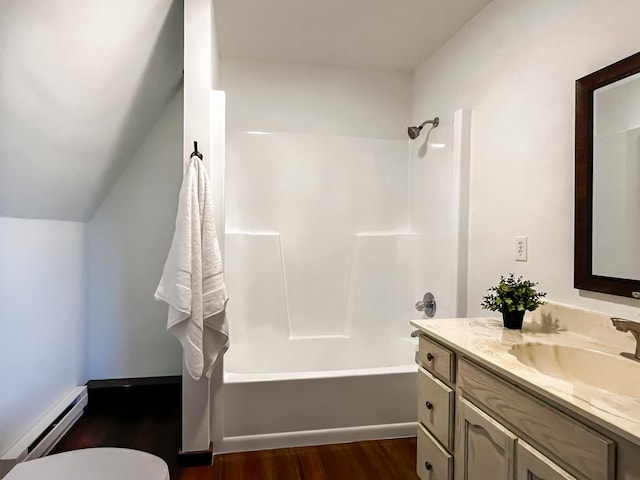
[(513, 294)]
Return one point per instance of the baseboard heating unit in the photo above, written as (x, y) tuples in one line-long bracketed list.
[(38, 441)]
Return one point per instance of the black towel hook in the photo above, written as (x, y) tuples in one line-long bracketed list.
[(196, 153)]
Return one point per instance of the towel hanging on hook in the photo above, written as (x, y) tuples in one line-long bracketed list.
[(196, 153)]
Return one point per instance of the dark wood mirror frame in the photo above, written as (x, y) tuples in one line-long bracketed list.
[(583, 242)]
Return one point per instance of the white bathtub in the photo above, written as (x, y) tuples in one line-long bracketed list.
[(317, 391)]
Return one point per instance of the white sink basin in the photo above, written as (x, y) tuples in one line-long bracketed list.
[(612, 373)]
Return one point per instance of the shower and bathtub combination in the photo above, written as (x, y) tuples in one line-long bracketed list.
[(328, 244)]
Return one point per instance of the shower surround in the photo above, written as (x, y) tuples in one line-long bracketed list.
[(318, 242), (325, 260), (336, 223)]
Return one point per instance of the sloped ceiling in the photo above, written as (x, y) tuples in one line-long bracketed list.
[(388, 34), (81, 83)]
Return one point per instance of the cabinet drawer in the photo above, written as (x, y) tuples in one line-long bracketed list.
[(437, 359), (435, 407), (575, 447), (433, 462)]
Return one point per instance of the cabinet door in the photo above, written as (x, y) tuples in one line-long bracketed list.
[(485, 450), (532, 465)]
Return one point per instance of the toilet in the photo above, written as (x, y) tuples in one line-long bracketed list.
[(94, 464)]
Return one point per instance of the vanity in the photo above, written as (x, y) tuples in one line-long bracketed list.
[(552, 401)]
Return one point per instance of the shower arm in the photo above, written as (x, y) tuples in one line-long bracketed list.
[(435, 122)]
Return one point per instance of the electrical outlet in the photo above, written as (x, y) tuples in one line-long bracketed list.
[(521, 249)]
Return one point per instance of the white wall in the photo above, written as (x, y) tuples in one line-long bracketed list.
[(515, 65), (81, 83), (42, 328), (65, 137), (128, 240), (314, 99)]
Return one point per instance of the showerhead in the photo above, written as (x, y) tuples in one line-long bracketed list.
[(414, 132)]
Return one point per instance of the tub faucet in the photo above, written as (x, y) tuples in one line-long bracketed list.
[(631, 327)]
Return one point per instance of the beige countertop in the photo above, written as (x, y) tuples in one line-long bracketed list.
[(487, 342)]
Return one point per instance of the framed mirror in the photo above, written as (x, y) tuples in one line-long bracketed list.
[(607, 176)]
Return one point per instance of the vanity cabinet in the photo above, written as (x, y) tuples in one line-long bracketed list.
[(475, 425)]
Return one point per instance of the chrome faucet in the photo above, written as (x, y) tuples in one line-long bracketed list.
[(631, 327)]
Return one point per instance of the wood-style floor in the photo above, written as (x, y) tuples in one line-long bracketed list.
[(372, 460), (151, 422)]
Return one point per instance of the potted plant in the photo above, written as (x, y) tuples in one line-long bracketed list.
[(512, 297)]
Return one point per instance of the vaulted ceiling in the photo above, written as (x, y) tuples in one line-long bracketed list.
[(389, 34), (81, 83)]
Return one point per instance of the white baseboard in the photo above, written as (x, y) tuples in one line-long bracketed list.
[(270, 441), (54, 424)]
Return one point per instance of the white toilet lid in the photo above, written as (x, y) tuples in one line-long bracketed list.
[(94, 464)]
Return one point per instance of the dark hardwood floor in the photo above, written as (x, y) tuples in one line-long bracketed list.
[(148, 418), (371, 460)]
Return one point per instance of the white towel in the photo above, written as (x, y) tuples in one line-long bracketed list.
[(192, 281)]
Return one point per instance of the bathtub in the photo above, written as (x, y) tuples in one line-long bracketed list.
[(311, 391)]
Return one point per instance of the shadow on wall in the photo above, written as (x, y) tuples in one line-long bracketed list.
[(604, 297), (81, 86), (159, 82), (129, 237), (424, 147)]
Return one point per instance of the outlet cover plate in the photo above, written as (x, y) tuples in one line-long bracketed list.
[(521, 249)]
